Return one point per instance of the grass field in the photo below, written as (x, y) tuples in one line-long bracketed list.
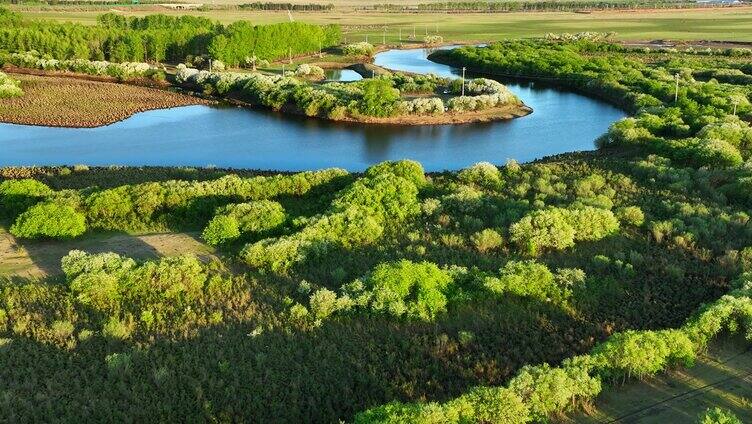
[(722, 377), (731, 24)]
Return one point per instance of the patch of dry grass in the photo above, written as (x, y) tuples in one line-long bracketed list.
[(69, 102), (30, 259)]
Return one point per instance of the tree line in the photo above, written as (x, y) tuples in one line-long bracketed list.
[(157, 38)]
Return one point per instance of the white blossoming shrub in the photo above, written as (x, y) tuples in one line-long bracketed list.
[(358, 49), (483, 94), (9, 87), (587, 35), (433, 39), (91, 67), (309, 71), (422, 106)]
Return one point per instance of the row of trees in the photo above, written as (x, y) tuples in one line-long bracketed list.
[(39, 212), (157, 38)]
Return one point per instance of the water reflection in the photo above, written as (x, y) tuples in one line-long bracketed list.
[(343, 75)]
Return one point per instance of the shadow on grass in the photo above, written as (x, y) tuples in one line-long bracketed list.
[(42, 257)]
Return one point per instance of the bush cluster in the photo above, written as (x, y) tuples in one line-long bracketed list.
[(359, 215), (557, 228), (122, 70), (49, 220), (151, 206), (232, 221), (9, 87)]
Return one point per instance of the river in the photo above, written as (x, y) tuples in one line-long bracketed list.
[(231, 137)]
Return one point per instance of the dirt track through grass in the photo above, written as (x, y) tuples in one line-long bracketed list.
[(30, 259)]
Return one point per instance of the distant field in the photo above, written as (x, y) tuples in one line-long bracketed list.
[(716, 24)]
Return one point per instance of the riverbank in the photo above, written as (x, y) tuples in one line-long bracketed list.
[(66, 99), (444, 58), (84, 101)]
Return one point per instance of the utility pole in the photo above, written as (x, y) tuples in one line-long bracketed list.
[(463, 81), (373, 74), (289, 55), (735, 102), (400, 34), (414, 31), (366, 38), (676, 89)]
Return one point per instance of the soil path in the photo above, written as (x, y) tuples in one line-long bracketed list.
[(31, 259)]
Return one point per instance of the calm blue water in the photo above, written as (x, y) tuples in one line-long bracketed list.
[(258, 139), (343, 75)]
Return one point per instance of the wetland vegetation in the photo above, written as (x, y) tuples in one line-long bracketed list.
[(505, 293)]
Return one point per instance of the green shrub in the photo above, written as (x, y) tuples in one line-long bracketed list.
[(718, 416), (49, 220), (18, 195), (482, 174), (404, 413), (162, 293), (221, 229), (404, 288), (524, 278), (643, 353), (117, 329), (631, 215), (486, 240), (407, 169), (323, 303), (77, 262), (492, 405), (704, 152), (591, 223), (379, 98), (542, 229), (548, 390)]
